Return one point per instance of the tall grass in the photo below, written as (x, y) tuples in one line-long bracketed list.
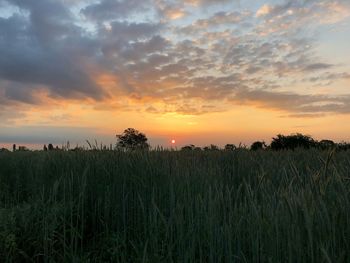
[(165, 206)]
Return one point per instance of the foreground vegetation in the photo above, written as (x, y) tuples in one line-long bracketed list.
[(164, 206)]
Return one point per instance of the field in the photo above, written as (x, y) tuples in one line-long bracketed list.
[(167, 206)]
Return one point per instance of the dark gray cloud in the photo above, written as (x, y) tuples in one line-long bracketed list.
[(123, 41), (49, 19), (300, 103), (56, 71), (318, 66), (114, 9), (40, 52), (328, 78), (133, 31), (16, 91)]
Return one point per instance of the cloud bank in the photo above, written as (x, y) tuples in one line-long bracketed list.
[(177, 55)]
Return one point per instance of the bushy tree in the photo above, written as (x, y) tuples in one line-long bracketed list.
[(291, 142), (258, 146), (132, 139)]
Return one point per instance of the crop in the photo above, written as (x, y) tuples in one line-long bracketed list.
[(170, 206)]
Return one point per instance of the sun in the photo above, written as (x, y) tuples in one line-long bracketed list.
[(173, 141)]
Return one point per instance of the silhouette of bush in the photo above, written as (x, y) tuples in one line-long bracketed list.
[(326, 144), (211, 147), (189, 147), (50, 147), (4, 150), (258, 146), (291, 142), (132, 139)]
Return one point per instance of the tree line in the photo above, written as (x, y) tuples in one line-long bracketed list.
[(279, 143), (131, 139)]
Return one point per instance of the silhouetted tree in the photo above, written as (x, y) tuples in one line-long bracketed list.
[(50, 147), (258, 146), (14, 147), (278, 143), (292, 142), (132, 139), (230, 147), (45, 148)]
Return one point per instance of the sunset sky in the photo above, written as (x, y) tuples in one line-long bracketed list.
[(197, 71)]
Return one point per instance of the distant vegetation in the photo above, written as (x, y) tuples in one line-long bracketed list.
[(132, 140), (231, 205), (4, 150), (280, 142)]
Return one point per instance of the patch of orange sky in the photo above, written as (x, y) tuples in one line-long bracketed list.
[(238, 124)]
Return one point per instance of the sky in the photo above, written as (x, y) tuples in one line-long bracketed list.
[(197, 71)]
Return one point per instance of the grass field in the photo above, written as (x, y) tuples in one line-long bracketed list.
[(164, 206)]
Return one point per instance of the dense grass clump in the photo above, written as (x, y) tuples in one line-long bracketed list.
[(162, 206)]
